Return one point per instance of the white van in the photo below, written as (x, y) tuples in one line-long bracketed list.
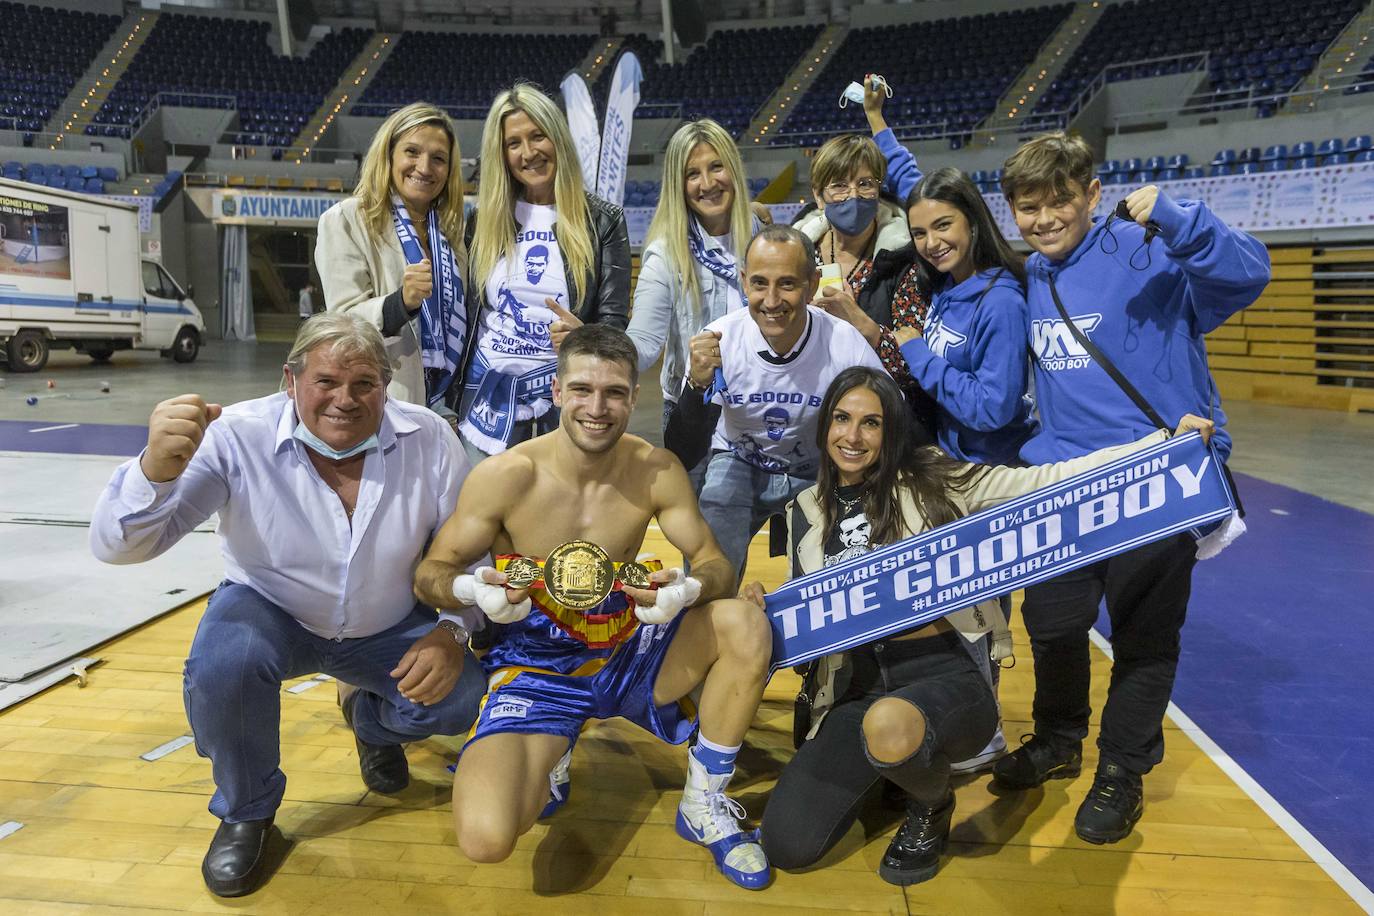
[(71, 276)]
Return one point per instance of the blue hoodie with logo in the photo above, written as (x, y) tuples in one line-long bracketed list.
[(972, 361), (1147, 315)]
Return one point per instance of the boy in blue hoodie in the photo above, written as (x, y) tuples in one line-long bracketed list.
[(1145, 303)]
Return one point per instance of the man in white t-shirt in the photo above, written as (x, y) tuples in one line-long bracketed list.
[(305, 305), (754, 389)]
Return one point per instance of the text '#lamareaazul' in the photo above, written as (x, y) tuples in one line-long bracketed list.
[(1154, 493)]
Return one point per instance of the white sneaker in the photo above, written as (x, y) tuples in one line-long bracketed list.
[(560, 785), (984, 759), (708, 817)]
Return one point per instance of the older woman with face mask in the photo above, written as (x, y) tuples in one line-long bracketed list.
[(865, 255), (547, 256), (393, 253)]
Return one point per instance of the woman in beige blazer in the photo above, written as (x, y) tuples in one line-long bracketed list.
[(394, 253)]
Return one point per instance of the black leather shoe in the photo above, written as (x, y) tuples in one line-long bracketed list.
[(233, 865), (383, 766), (1035, 761), (1114, 804), (913, 855)]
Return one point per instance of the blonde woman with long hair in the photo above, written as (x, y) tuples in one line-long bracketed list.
[(394, 253), (547, 256), (689, 275)]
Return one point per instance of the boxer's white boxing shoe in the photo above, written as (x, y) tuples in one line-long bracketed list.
[(560, 785), (708, 817)]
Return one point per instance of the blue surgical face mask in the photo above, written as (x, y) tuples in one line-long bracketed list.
[(319, 446), (852, 216)]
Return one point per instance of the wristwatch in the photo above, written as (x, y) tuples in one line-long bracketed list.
[(459, 632)]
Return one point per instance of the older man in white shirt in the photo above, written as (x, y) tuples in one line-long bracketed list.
[(327, 494)]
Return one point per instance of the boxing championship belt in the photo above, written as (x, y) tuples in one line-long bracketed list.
[(578, 587)]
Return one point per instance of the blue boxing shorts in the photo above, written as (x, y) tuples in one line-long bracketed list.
[(536, 701)]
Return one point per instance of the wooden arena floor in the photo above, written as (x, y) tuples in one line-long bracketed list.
[(104, 830)]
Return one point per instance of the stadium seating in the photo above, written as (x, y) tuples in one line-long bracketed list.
[(462, 72), (729, 77), (43, 52), (1254, 47), (200, 61), (947, 74), (1305, 154)]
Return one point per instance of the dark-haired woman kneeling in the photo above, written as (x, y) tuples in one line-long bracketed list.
[(903, 707)]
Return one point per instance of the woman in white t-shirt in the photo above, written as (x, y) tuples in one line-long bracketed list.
[(546, 257), (689, 274)]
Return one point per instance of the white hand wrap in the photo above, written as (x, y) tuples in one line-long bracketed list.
[(474, 589), (670, 598)]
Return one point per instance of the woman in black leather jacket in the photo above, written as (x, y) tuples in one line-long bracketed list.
[(540, 266)]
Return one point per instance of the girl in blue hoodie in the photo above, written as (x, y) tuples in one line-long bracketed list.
[(971, 356)]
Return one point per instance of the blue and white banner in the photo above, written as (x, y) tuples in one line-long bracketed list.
[(1145, 496), (582, 122), (615, 139)]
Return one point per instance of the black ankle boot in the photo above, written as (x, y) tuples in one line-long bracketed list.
[(913, 855), (233, 865)]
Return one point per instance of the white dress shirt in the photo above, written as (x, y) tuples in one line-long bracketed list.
[(283, 530)]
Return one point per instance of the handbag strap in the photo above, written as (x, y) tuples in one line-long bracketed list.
[(1107, 365)]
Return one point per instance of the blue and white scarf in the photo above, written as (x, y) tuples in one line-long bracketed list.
[(714, 260), (494, 402), (443, 320)]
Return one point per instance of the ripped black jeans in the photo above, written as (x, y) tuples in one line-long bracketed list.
[(821, 789)]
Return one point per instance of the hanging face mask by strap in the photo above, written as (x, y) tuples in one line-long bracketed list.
[(854, 92), (1122, 212)]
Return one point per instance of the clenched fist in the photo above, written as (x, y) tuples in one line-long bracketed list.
[(417, 284), (175, 431), (704, 349)]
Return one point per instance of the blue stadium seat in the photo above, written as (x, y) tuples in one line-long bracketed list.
[(1217, 171), (1178, 161), (1301, 150), (1365, 155), (1360, 144), (95, 186), (1335, 159), (1330, 145), (1305, 162), (1224, 157), (107, 173), (1276, 152)]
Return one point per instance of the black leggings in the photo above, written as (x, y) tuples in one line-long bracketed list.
[(819, 793)]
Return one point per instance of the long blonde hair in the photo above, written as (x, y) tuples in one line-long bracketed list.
[(669, 224), (494, 237), (374, 179)]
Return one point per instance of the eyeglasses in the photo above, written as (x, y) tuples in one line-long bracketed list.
[(837, 191)]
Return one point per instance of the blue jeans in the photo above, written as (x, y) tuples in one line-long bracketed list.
[(246, 646), (737, 500)]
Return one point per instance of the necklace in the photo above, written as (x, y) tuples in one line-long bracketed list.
[(858, 260), (848, 504)]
